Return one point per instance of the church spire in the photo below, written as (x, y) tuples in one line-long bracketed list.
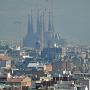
[(42, 31), (50, 24), (28, 41), (38, 22), (30, 23)]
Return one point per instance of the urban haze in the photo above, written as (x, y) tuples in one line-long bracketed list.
[(44, 45), (71, 18)]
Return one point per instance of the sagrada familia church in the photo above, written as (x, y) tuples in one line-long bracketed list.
[(45, 35)]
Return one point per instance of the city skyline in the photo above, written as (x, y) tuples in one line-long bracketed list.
[(71, 18)]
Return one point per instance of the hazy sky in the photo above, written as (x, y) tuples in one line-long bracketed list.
[(71, 18)]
